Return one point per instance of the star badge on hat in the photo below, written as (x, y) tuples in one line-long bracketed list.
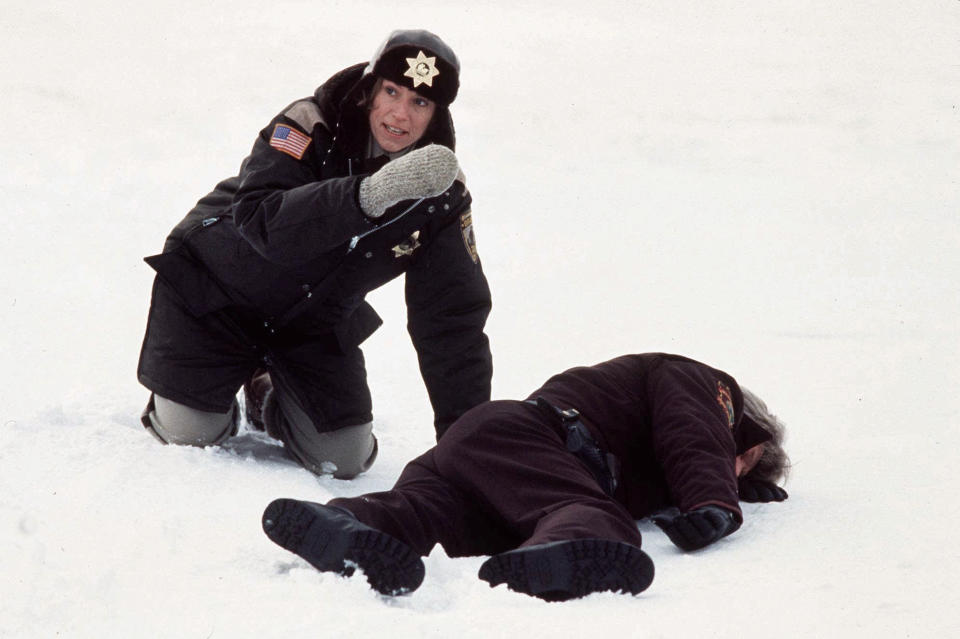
[(422, 69)]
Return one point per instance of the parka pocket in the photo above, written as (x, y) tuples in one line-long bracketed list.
[(361, 324), (190, 280)]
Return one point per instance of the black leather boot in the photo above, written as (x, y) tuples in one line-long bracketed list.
[(564, 570), (333, 540)]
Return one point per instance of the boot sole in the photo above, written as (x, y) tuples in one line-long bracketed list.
[(317, 535), (571, 569)]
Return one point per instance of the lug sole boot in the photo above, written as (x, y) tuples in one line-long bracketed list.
[(564, 570), (332, 540), (255, 391)]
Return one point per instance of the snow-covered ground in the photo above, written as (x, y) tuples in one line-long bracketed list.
[(768, 186)]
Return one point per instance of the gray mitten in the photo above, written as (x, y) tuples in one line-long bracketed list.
[(420, 173)]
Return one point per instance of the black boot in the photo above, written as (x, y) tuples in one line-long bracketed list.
[(255, 391), (564, 570), (330, 537)]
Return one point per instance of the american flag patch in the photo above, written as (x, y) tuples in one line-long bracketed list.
[(289, 140)]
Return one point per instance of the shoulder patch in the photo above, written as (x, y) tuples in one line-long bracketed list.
[(305, 113), (290, 141), (725, 399), (469, 239)]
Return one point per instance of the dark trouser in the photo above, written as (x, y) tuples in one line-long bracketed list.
[(500, 478), (201, 363)]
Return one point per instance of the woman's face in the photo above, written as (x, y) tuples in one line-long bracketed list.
[(399, 116)]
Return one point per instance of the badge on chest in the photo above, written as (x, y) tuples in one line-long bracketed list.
[(408, 246)]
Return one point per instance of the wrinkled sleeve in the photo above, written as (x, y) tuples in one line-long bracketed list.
[(284, 210), (691, 438), (448, 301)]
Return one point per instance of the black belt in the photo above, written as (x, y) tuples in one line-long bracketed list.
[(603, 466)]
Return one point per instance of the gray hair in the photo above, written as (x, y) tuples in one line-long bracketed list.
[(774, 464)]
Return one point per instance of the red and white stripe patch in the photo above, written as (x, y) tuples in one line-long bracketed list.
[(287, 139)]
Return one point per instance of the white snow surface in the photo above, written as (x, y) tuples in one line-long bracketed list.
[(767, 186)]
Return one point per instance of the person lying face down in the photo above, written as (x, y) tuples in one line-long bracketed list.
[(551, 486)]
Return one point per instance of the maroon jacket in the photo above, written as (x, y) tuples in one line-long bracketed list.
[(675, 424)]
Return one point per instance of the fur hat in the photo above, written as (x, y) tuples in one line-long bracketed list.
[(421, 61)]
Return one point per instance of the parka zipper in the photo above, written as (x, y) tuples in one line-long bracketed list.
[(356, 238)]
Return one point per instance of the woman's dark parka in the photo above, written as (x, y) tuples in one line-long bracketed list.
[(286, 241)]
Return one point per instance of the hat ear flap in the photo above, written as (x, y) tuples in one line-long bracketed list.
[(749, 434)]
